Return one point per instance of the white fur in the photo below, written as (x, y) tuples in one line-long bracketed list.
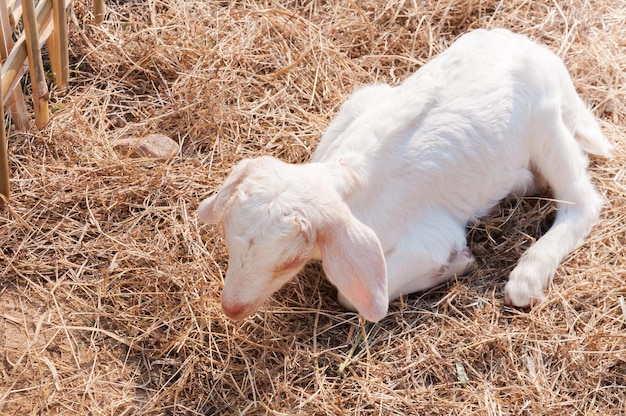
[(401, 170)]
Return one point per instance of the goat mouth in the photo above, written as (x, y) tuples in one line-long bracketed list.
[(238, 311)]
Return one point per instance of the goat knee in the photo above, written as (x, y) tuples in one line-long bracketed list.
[(462, 262)]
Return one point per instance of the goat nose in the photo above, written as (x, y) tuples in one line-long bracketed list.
[(234, 310)]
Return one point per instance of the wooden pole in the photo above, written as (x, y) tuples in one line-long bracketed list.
[(60, 42), (53, 54), (5, 189), (98, 11), (35, 63)]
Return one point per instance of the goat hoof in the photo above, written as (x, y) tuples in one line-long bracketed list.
[(523, 293)]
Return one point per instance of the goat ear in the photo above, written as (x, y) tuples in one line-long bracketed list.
[(211, 210), (207, 211), (354, 262)]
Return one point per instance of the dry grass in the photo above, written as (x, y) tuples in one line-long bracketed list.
[(109, 301)]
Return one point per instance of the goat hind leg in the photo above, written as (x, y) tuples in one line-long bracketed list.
[(562, 163)]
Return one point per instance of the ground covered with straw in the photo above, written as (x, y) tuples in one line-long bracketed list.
[(110, 289)]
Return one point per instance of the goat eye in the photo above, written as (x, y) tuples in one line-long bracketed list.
[(289, 265)]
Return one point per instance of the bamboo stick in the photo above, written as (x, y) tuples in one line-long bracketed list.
[(60, 42), (15, 11), (19, 114), (98, 11), (35, 63), (53, 53), (5, 189)]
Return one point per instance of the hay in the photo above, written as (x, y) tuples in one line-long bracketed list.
[(109, 302)]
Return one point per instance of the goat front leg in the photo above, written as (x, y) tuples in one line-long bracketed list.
[(410, 272), (431, 253), (418, 263), (406, 274)]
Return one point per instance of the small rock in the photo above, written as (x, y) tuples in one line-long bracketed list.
[(152, 146)]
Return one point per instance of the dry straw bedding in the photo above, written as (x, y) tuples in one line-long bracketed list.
[(109, 299)]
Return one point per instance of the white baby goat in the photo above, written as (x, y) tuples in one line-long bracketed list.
[(401, 170)]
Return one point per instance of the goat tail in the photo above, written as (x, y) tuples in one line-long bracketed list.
[(588, 134)]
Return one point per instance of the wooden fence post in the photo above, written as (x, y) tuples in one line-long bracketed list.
[(98, 11), (35, 64), (58, 39), (5, 190)]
